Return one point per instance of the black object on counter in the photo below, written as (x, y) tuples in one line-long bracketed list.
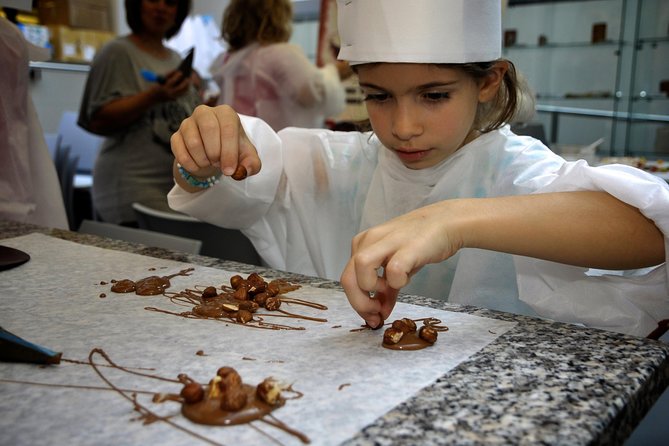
[(15, 349), (10, 257)]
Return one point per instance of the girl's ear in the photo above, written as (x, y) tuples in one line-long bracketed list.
[(490, 84)]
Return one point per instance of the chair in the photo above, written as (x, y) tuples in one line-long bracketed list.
[(134, 235), (81, 142), (66, 167), (227, 244)]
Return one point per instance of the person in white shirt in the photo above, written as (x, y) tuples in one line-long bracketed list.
[(29, 187)]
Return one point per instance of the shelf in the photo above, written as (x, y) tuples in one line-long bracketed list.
[(653, 40), (618, 115), (60, 66), (555, 45), (575, 97)]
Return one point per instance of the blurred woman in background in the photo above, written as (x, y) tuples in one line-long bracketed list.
[(137, 113), (263, 75)]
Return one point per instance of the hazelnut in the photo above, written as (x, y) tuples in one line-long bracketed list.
[(249, 305), (236, 281), (244, 316), (256, 281), (260, 299), (233, 399), (240, 173), (209, 292), (273, 288), (272, 303), (377, 327), (214, 387), (392, 336), (229, 378), (411, 323), (269, 391), (402, 326), (192, 393), (241, 293), (230, 308), (428, 334)]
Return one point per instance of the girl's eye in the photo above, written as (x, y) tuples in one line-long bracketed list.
[(436, 95), (376, 97)]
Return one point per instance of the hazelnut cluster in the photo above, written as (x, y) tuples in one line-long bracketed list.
[(246, 297), (256, 290), (401, 327), (227, 386)]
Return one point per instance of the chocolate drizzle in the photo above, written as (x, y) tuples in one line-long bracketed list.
[(225, 303), (207, 412)]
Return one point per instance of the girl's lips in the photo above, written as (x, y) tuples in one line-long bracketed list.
[(411, 155)]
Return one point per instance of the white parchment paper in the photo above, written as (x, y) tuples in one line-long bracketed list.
[(347, 378)]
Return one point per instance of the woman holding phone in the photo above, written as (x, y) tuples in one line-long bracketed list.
[(137, 113)]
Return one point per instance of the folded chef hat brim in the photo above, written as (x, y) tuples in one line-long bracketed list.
[(419, 31)]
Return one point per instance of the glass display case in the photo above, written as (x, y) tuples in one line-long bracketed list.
[(599, 69)]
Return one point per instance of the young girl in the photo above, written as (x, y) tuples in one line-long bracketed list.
[(438, 97)]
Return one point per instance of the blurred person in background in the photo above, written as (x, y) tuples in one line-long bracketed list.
[(135, 112), (263, 75), (29, 187)]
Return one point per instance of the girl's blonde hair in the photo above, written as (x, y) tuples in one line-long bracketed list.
[(262, 21)]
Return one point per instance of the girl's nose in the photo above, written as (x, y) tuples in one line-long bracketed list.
[(406, 122)]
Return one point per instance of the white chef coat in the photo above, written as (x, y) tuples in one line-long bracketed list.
[(318, 188), (278, 84), (29, 186)]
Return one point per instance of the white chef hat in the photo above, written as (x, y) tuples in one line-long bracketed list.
[(419, 31)]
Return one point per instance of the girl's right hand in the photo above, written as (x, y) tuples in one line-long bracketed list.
[(213, 140)]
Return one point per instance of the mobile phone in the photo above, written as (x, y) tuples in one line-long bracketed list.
[(186, 68), (186, 65)]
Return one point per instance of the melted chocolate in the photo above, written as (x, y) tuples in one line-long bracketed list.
[(149, 286), (208, 411), (219, 303), (411, 340)]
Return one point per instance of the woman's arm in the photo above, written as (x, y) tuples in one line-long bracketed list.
[(121, 112), (590, 229)]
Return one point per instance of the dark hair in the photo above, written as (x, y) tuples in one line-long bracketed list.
[(133, 15), (262, 21)]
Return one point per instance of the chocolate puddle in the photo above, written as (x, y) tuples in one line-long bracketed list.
[(207, 410), (413, 338)]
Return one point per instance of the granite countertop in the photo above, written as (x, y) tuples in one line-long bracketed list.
[(540, 382)]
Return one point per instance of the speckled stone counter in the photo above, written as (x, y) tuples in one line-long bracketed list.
[(539, 383)]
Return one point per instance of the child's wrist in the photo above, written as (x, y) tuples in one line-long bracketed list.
[(202, 179)]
